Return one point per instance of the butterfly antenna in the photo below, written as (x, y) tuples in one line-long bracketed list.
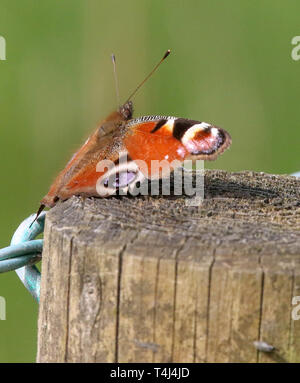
[(41, 208), (149, 75), (113, 58)]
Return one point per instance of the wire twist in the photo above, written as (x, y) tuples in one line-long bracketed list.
[(24, 251)]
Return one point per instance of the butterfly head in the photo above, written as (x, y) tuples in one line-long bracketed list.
[(126, 110)]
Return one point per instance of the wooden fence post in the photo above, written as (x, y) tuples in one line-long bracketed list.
[(149, 279)]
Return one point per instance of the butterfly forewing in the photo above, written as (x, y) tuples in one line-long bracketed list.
[(165, 138)]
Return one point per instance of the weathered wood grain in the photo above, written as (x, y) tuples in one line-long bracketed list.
[(150, 279)]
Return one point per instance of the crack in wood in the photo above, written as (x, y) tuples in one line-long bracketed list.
[(119, 295), (68, 300)]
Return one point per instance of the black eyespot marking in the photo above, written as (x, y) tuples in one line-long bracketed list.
[(120, 179), (220, 139), (207, 129), (181, 125), (158, 125)]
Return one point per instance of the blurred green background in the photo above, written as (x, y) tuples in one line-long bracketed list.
[(230, 65)]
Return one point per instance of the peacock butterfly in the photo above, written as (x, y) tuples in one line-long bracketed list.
[(145, 138)]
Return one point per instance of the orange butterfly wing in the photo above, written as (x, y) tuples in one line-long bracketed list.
[(169, 139)]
